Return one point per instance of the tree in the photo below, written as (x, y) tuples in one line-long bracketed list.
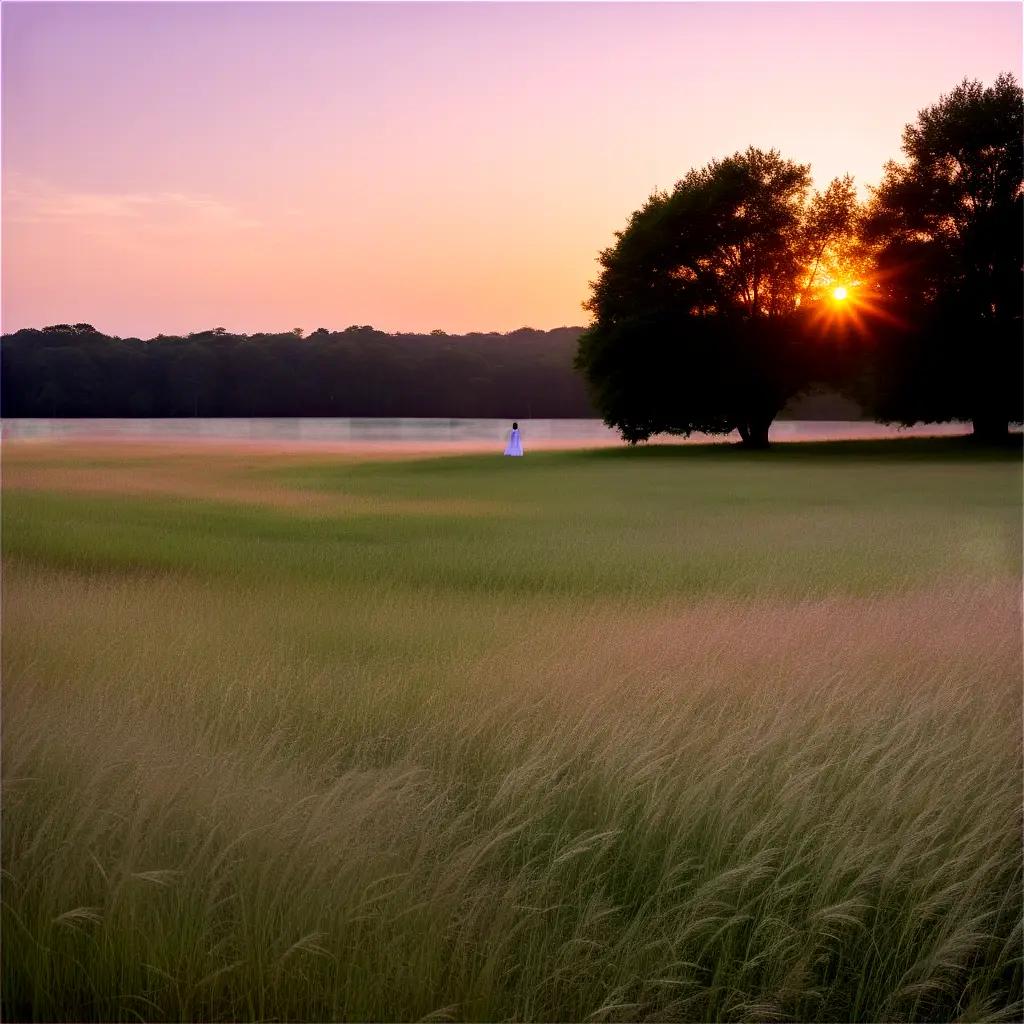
[(697, 308), (946, 224)]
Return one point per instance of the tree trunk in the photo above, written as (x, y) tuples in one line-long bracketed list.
[(990, 429), (754, 430)]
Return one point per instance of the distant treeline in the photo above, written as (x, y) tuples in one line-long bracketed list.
[(74, 370)]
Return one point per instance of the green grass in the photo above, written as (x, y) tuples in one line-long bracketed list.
[(664, 734)]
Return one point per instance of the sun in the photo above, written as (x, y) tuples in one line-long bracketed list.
[(839, 293)]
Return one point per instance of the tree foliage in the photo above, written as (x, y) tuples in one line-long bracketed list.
[(699, 304), (946, 223)]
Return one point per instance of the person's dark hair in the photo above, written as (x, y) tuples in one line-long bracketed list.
[(515, 426)]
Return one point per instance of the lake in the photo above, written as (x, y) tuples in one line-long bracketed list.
[(412, 432)]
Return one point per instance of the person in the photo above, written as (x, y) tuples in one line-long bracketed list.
[(515, 442)]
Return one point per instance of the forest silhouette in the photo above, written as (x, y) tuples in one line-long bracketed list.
[(73, 370)]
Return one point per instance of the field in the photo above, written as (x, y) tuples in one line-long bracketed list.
[(665, 734)]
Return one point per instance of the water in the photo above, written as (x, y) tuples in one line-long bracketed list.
[(442, 433)]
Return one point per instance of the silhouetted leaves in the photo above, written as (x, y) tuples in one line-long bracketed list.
[(950, 256), (697, 309)]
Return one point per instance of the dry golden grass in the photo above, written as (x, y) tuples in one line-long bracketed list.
[(224, 474)]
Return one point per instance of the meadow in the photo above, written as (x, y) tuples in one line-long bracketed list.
[(665, 734)]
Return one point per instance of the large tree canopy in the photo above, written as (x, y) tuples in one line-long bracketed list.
[(697, 306), (946, 222)]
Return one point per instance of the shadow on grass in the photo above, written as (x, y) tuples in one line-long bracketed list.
[(889, 450), (901, 449)]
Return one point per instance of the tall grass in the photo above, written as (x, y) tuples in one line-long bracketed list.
[(349, 793)]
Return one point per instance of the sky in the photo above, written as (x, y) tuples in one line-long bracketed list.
[(175, 167)]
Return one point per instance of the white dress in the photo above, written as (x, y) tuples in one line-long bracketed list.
[(515, 444)]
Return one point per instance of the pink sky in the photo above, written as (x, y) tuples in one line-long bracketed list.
[(175, 167)]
